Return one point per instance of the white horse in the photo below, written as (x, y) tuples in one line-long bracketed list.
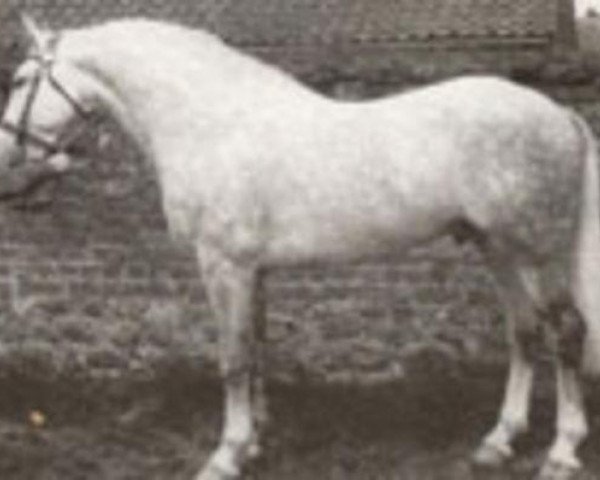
[(257, 170)]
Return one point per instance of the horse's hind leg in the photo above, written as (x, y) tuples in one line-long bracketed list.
[(231, 293), (516, 288), (577, 323), (571, 424)]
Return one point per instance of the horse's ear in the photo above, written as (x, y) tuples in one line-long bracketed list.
[(34, 32)]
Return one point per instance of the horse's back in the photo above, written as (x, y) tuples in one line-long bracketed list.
[(511, 155), (499, 156)]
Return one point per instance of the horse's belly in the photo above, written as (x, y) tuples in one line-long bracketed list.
[(368, 209), (354, 237)]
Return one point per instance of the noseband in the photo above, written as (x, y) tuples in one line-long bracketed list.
[(24, 136)]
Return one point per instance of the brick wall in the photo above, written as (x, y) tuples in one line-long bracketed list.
[(99, 232)]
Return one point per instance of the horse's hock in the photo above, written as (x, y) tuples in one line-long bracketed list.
[(100, 233)]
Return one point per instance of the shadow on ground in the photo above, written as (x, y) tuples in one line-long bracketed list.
[(420, 429)]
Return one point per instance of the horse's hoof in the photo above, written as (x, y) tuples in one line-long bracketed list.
[(553, 470), (490, 457), (214, 472)]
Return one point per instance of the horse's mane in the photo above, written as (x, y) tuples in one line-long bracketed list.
[(153, 33), (178, 45)]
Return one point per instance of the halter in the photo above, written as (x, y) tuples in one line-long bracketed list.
[(21, 131)]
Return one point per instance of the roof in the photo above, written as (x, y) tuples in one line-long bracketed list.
[(290, 22), (329, 21), (316, 39)]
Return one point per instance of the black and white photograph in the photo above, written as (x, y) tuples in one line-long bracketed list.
[(299, 240)]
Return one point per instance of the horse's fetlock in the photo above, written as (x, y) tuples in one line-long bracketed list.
[(515, 426), (574, 433)]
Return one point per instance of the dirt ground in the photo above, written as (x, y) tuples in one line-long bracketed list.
[(423, 428), (365, 383)]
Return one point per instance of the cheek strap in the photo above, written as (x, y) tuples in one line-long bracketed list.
[(21, 130)]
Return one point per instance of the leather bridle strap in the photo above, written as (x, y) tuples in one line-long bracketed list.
[(21, 130), (26, 113), (77, 107), (25, 136)]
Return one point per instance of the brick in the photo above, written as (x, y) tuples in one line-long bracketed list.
[(6, 293), (85, 288), (196, 295), (5, 271), (40, 269), (136, 271), (32, 287)]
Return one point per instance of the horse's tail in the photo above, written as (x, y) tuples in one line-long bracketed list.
[(586, 281)]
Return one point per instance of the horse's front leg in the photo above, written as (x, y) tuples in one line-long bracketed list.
[(231, 292), (260, 406)]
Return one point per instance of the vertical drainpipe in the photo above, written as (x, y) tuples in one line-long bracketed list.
[(566, 29)]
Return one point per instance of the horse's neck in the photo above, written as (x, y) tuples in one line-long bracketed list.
[(182, 108), (157, 105)]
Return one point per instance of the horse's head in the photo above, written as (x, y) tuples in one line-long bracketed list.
[(46, 94)]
